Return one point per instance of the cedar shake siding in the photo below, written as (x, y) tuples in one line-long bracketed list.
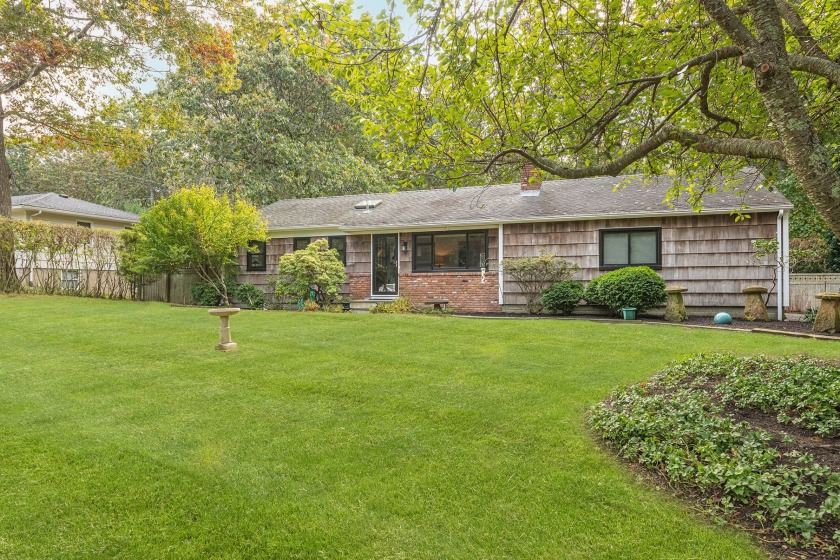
[(709, 252), (710, 255)]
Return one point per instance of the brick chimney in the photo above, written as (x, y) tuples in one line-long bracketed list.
[(530, 180)]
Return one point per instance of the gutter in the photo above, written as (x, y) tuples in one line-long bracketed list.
[(81, 214)]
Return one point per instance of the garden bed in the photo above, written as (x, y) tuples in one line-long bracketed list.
[(791, 327), (754, 440)]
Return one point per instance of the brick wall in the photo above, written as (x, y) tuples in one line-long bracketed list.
[(463, 290), (359, 286)]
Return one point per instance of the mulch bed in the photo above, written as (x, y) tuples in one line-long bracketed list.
[(793, 327), (802, 327)]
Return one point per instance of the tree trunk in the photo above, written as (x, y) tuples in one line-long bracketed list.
[(8, 278), (806, 155)]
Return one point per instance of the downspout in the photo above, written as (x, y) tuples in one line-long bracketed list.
[(501, 258), (785, 259), (781, 253)]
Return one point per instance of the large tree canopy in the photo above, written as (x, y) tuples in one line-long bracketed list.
[(278, 134), (56, 55), (596, 87)]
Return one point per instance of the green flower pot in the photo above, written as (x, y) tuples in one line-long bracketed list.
[(629, 313)]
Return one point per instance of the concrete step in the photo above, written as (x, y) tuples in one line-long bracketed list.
[(362, 305)]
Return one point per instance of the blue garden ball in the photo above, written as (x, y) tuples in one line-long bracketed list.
[(723, 319)]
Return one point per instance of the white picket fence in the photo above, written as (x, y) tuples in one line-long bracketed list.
[(803, 288)]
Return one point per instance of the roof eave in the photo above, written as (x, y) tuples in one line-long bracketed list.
[(488, 222), (81, 214)]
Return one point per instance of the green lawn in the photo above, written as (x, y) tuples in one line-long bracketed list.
[(123, 434)]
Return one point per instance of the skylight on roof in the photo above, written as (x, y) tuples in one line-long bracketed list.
[(367, 204)]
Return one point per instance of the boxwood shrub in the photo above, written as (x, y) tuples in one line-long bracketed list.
[(635, 286), (562, 297)]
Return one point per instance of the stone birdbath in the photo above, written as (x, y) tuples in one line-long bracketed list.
[(828, 315), (754, 308), (225, 343), (675, 306)]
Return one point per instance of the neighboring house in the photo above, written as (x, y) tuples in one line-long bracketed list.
[(62, 209), (446, 244), (91, 269)]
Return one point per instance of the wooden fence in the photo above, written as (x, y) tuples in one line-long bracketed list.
[(170, 288), (803, 288)]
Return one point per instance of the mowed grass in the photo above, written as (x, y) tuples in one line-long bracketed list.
[(124, 434)]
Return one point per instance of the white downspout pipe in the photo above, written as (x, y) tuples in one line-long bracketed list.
[(781, 253), (501, 258)]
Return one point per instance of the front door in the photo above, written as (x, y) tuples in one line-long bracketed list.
[(385, 265)]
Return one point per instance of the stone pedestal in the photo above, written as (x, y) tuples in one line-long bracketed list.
[(225, 343), (675, 307), (754, 309), (828, 315)]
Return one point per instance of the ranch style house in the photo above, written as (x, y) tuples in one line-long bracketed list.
[(446, 244)]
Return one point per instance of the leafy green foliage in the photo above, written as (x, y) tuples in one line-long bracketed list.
[(57, 58), (562, 297), (634, 286), (400, 304), (62, 259), (310, 305), (206, 294), (251, 295), (196, 230), (88, 175), (673, 424), (534, 274), (280, 133), (805, 220), (808, 230), (315, 269), (482, 82), (808, 255), (803, 391)]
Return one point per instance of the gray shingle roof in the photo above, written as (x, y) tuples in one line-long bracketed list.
[(636, 195), (69, 205)]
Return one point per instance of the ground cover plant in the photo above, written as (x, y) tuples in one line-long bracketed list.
[(123, 433), (755, 437)]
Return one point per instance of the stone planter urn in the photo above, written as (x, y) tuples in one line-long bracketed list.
[(225, 343), (675, 306), (828, 315), (754, 308)]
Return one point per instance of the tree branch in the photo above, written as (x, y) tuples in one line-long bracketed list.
[(36, 69), (813, 65), (730, 23), (705, 79), (757, 149), (800, 30)]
